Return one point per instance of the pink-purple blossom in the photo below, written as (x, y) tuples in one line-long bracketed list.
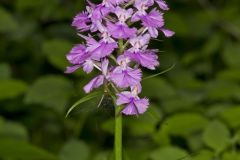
[(116, 36)]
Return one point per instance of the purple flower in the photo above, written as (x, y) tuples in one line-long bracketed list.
[(124, 76), (153, 21), (94, 83), (162, 4), (121, 31), (145, 58), (117, 45), (139, 42), (167, 32), (100, 49), (78, 54), (81, 21), (78, 57), (99, 80), (133, 104)]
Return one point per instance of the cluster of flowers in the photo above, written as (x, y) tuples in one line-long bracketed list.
[(118, 46)]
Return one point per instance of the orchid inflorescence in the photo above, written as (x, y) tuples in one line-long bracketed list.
[(118, 46)]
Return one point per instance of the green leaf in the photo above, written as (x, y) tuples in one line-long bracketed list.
[(82, 100), (203, 155), (229, 74), (185, 124), (178, 23), (231, 116), (231, 156), (8, 23), (75, 150), (181, 102), (14, 149), (56, 51), (216, 136), (168, 153), (11, 88), (14, 130), (190, 82), (222, 90), (195, 142), (157, 88), (107, 155), (50, 91), (231, 55), (5, 71), (108, 126), (144, 124), (212, 45), (162, 137)]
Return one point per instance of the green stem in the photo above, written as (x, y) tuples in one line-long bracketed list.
[(118, 119), (118, 134)]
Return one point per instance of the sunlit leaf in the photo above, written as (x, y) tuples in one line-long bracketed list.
[(216, 136), (168, 153), (231, 156), (203, 155), (231, 116)]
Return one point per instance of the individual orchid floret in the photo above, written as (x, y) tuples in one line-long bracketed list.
[(99, 80), (78, 57), (81, 22), (100, 49), (147, 58), (139, 42), (153, 21), (121, 31), (123, 14), (123, 75), (134, 105), (142, 6)]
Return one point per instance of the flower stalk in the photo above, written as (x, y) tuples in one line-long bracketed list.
[(118, 134)]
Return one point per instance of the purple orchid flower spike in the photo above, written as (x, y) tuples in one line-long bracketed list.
[(116, 35)]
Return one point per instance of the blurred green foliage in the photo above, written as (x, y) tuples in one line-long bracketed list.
[(195, 107)]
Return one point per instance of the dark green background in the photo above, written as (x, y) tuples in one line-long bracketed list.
[(195, 107)]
